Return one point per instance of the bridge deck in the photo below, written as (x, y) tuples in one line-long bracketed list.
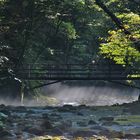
[(79, 72), (75, 72)]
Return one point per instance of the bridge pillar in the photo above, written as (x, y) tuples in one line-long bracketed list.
[(22, 94)]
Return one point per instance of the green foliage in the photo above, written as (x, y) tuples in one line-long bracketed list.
[(69, 30), (120, 47)]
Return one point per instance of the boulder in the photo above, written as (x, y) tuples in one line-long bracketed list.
[(108, 123), (82, 133), (82, 106), (6, 112), (91, 122), (63, 109), (35, 131), (106, 119), (45, 116), (55, 117), (5, 133), (65, 125), (56, 132), (3, 117), (47, 137), (99, 128), (20, 109), (82, 123), (80, 114), (46, 124), (131, 136), (111, 134)]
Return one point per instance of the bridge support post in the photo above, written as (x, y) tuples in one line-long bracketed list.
[(22, 94)]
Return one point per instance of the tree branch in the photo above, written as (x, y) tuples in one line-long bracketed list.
[(112, 16)]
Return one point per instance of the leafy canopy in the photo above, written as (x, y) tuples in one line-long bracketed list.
[(120, 47)]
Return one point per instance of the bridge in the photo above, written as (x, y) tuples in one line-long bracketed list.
[(76, 72)]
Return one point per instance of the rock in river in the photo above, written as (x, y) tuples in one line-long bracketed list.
[(4, 134), (46, 124), (36, 131), (106, 119), (82, 133), (91, 122)]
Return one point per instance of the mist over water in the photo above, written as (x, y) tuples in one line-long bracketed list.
[(93, 95), (9, 101), (76, 95)]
